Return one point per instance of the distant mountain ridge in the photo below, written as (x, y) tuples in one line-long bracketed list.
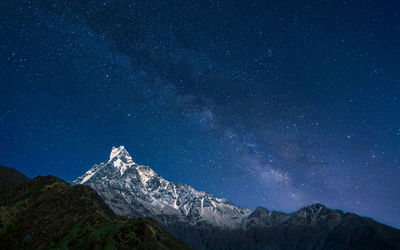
[(207, 222)]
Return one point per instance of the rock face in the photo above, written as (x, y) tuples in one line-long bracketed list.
[(206, 222), (134, 190), (48, 213)]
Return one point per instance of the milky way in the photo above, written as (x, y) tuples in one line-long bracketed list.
[(266, 104)]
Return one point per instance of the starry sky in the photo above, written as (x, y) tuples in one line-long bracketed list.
[(266, 103)]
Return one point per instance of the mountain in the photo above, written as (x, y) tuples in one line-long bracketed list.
[(206, 222), (9, 177), (47, 212), (316, 227), (134, 190)]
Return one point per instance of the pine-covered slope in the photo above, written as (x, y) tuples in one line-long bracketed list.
[(49, 213)]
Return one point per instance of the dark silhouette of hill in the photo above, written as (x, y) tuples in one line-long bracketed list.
[(9, 177)]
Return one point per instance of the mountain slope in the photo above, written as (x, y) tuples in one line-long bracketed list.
[(49, 213), (135, 190), (10, 177), (312, 227), (206, 222)]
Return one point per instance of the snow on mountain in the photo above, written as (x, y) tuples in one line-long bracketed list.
[(135, 190), (204, 221)]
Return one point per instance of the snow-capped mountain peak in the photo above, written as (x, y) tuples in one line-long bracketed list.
[(120, 159), (120, 153), (206, 221), (135, 190)]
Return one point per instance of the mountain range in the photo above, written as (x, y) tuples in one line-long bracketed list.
[(205, 221), (49, 213)]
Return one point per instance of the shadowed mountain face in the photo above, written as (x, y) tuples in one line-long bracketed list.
[(312, 227), (49, 213), (204, 221), (10, 177)]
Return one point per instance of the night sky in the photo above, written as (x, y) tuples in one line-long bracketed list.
[(266, 103)]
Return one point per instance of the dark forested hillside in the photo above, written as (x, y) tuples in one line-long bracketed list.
[(49, 213), (10, 177)]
